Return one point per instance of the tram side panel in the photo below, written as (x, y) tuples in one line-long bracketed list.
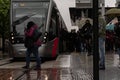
[(50, 48)]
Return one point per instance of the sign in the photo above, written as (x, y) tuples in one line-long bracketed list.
[(83, 1)]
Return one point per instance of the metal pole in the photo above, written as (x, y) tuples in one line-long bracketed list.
[(95, 41)]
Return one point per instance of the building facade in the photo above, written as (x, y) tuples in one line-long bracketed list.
[(87, 5), (84, 3), (117, 3)]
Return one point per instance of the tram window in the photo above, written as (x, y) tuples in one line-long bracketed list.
[(39, 9)]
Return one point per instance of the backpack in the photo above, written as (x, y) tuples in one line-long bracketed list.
[(36, 35), (28, 42)]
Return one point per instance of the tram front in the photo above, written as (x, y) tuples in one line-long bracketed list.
[(23, 11)]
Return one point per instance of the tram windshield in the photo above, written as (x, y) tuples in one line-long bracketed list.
[(33, 11)]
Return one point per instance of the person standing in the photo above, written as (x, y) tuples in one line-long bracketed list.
[(102, 24), (117, 38), (87, 32), (31, 26)]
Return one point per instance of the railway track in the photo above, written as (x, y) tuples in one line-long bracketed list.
[(5, 61)]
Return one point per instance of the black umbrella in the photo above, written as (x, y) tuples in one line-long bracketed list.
[(21, 20)]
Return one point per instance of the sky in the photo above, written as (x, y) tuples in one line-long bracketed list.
[(110, 3)]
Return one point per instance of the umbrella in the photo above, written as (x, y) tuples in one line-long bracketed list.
[(82, 22), (21, 20), (113, 12)]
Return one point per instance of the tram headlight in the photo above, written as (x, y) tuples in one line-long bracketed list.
[(45, 37), (12, 34), (13, 41), (12, 37), (46, 33)]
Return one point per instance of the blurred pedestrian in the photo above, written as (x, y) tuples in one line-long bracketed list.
[(73, 36), (102, 24), (29, 32), (87, 32), (117, 37)]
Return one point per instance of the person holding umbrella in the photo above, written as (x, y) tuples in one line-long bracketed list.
[(102, 24), (117, 37)]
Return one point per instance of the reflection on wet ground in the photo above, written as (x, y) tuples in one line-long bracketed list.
[(9, 74), (74, 66), (45, 74)]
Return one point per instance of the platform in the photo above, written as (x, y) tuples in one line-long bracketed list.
[(72, 66)]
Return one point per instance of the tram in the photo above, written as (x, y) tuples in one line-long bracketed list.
[(46, 15)]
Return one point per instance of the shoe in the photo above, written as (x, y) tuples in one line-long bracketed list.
[(102, 68), (25, 67), (89, 54), (119, 66), (37, 68)]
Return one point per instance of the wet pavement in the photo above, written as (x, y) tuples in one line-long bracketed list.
[(112, 71), (74, 66)]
